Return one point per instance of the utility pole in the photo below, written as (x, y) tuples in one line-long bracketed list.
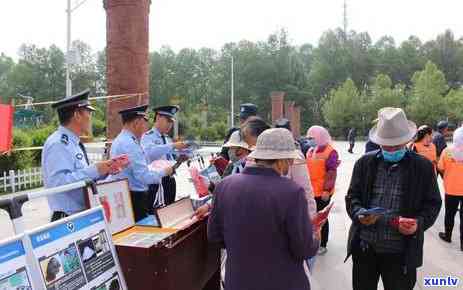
[(68, 51), (345, 20), (69, 11), (232, 95)]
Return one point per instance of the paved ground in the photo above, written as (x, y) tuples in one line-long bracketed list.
[(330, 272)]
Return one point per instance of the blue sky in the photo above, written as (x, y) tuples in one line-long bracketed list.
[(211, 23)]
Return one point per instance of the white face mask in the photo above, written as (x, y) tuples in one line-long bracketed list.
[(232, 155)]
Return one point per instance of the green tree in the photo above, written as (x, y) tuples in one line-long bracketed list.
[(343, 109), (454, 100), (382, 95), (427, 103)]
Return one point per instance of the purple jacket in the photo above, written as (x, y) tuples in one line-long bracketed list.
[(261, 219)]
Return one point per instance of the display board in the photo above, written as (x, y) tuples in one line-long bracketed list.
[(177, 215), (14, 269), (76, 253), (114, 197)]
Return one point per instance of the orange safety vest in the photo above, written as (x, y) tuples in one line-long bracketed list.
[(429, 152), (453, 173), (316, 164)]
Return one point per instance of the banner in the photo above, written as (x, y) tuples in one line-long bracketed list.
[(6, 127)]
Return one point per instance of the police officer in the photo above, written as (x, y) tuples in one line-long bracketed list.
[(64, 158), (246, 111), (135, 121), (158, 146)]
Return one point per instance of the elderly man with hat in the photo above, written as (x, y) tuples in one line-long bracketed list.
[(260, 218), (247, 110), (64, 158), (392, 200), (134, 121), (157, 146)]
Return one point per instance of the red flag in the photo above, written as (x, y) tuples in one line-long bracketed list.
[(6, 127)]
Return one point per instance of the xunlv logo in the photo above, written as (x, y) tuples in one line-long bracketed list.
[(441, 282)]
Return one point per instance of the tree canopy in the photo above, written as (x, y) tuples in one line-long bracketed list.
[(340, 82)]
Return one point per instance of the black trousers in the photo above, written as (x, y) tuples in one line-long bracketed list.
[(321, 204), (351, 147), (142, 204), (451, 208), (368, 266), (170, 189)]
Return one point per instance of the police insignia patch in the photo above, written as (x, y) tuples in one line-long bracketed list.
[(65, 139), (79, 156)]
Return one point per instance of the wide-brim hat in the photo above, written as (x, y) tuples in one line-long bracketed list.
[(236, 141), (393, 128), (275, 143)]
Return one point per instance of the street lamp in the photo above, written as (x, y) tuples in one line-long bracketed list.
[(232, 94), (69, 11)]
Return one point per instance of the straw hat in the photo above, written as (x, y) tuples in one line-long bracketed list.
[(392, 128), (236, 141), (275, 143)]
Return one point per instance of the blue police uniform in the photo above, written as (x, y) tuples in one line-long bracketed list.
[(64, 161), (137, 172), (159, 147)]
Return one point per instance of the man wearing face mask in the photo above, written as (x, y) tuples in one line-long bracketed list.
[(264, 213), (402, 187), (238, 150)]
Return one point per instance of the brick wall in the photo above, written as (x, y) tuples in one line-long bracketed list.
[(278, 99)]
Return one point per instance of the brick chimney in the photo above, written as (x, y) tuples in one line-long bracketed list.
[(127, 54)]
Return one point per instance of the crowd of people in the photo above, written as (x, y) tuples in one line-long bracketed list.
[(393, 198), (270, 211)]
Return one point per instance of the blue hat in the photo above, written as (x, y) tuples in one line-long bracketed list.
[(79, 100), (247, 110), (134, 112), (168, 111)]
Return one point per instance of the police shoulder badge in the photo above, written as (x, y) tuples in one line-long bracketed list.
[(64, 139)]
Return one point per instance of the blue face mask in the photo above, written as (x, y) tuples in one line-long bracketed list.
[(311, 143), (395, 156)]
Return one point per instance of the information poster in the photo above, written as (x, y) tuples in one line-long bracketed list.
[(114, 197), (14, 272), (77, 253)]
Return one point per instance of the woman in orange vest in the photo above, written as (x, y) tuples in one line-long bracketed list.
[(451, 167), (423, 144), (322, 163)]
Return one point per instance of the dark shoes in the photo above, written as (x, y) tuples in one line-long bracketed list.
[(445, 237)]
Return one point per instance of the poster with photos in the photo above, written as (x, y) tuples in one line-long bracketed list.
[(14, 269), (75, 253)]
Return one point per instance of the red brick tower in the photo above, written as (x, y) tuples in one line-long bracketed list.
[(127, 54)]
